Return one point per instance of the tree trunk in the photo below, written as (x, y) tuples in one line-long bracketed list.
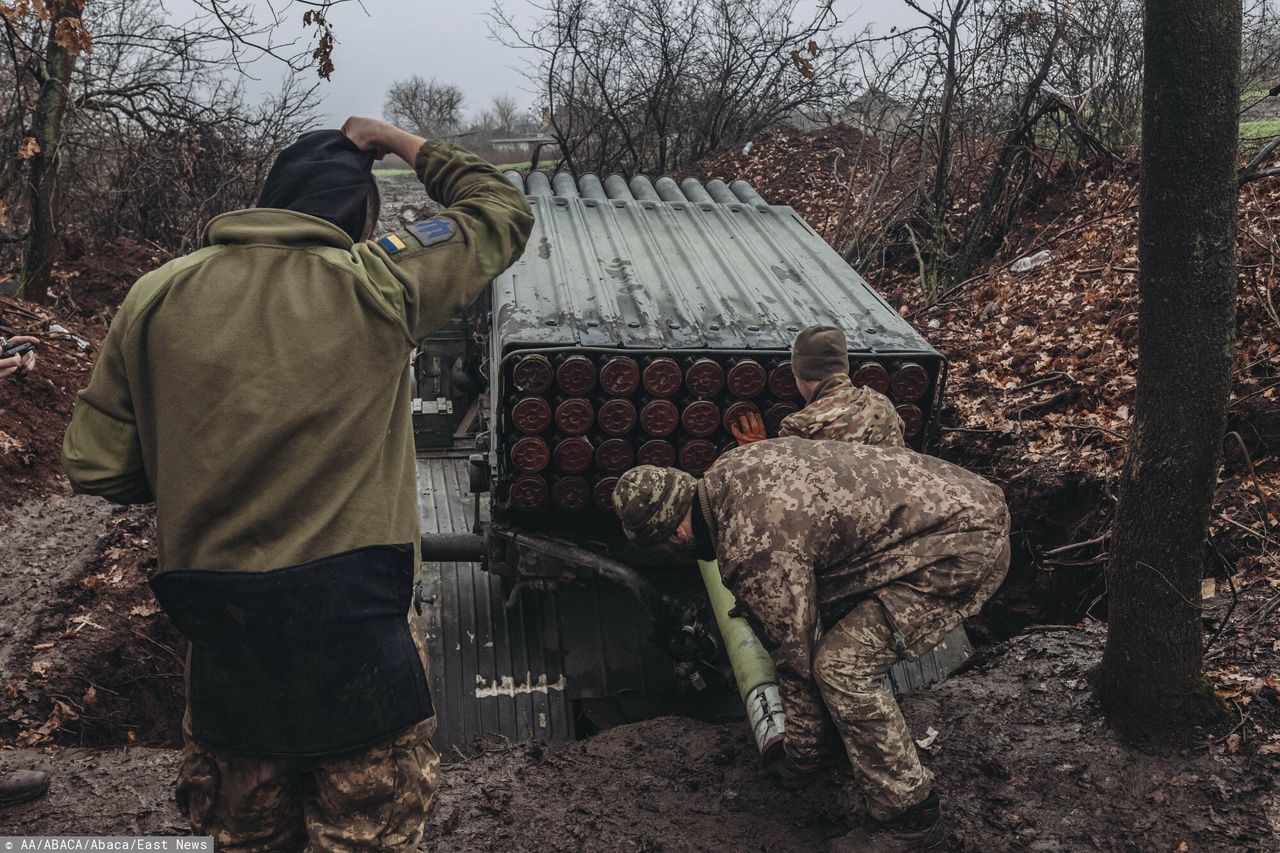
[(43, 245), (1152, 670)]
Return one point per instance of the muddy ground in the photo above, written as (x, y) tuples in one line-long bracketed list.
[(1022, 753), (1022, 756)]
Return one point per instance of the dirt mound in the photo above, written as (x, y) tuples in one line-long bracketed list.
[(90, 285), (91, 659), (1043, 362), (35, 408), (835, 177)]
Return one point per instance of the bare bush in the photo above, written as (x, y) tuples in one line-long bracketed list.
[(654, 85), (167, 185), (427, 107), (973, 111), (1260, 55)]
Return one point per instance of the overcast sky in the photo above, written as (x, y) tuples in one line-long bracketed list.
[(389, 40)]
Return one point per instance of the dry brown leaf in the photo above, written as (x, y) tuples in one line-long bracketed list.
[(13, 10), (61, 713), (28, 148), (72, 35)]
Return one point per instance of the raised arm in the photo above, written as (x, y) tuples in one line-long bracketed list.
[(437, 267)]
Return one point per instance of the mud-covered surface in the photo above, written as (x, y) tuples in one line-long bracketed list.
[(404, 201), (125, 791), (86, 655), (1022, 756)]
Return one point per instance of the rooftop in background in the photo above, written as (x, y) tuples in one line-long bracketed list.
[(645, 264)]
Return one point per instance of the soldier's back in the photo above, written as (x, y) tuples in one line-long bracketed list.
[(846, 412)]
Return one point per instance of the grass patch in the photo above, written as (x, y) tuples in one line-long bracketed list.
[(1255, 131), (1255, 134)]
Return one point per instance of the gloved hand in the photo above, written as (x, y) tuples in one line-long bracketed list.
[(749, 428), (790, 777)]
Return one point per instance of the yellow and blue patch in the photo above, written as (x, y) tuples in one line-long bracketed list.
[(391, 244), (431, 231)]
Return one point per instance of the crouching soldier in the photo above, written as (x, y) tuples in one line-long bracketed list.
[(846, 558), (835, 409)]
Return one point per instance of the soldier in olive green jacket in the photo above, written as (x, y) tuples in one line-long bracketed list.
[(258, 391)]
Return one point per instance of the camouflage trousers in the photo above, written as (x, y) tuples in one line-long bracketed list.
[(850, 664), (374, 800)]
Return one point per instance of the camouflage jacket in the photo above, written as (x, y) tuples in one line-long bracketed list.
[(842, 411), (804, 530)]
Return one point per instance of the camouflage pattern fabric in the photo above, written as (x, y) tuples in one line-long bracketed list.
[(651, 502), (849, 666), (842, 411), (808, 531), (376, 800)]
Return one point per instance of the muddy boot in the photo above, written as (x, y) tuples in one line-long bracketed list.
[(919, 829), (23, 785)]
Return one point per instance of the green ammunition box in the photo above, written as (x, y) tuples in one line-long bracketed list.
[(432, 423)]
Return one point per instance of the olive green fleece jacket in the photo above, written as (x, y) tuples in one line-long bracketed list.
[(258, 390)]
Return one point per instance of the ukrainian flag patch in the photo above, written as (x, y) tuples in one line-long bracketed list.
[(391, 243), (431, 231)]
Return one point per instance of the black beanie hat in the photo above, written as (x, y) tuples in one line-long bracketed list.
[(326, 175)]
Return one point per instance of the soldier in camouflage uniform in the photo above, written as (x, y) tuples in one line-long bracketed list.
[(258, 391), (846, 558), (835, 409)]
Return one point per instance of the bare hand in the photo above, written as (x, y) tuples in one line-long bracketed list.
[(749, 428), (26, 363), (369, 134)]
